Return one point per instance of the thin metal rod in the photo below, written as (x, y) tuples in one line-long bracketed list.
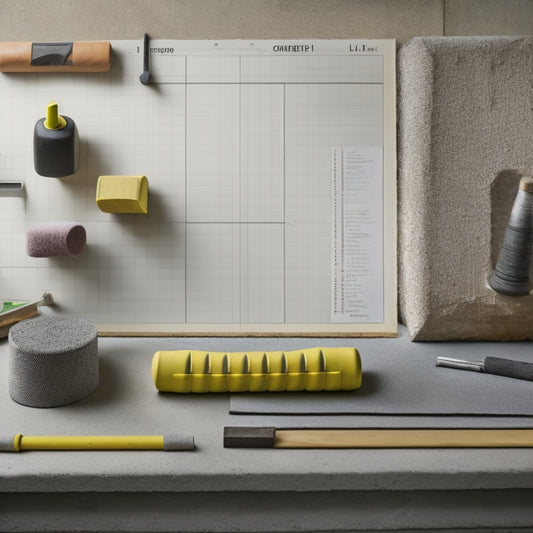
[(449, 362)]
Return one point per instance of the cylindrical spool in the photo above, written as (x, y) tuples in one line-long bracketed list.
[(51, 239), (511, 275), (53, 360)]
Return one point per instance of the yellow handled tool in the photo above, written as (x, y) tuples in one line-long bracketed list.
[(18, 443), (313, 369)]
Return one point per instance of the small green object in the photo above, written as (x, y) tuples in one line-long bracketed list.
[(9, 306)]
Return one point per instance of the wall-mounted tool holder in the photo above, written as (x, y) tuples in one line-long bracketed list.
[(11, 188), (312, 369)]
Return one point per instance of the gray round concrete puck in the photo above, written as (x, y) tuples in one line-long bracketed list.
[(53, 360)]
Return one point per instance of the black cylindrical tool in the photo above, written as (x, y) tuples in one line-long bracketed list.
[(55, 145)]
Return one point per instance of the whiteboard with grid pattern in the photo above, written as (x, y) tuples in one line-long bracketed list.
[(272, 189)]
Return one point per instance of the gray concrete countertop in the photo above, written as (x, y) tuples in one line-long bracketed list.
[(126, 402)]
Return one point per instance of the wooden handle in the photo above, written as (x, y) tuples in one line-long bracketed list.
[(403, 438), (18, 314)]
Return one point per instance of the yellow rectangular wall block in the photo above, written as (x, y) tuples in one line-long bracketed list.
[(122, 194)]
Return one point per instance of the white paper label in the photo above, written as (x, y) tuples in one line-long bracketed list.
[(357, 239)]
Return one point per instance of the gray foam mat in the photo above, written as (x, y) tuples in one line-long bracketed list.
[(401, 378), (381, 421)]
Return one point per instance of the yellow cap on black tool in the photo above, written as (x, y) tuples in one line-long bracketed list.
[(54, 121)]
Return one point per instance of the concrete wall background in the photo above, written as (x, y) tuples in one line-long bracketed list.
[(224, 19)]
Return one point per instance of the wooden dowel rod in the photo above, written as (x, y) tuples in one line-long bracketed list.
[(403, 438)]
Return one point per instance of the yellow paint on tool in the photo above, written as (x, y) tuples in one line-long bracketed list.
[(54, 121), (168, 443), (111, 442)]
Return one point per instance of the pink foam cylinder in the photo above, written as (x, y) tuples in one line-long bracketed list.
[(52, 239)]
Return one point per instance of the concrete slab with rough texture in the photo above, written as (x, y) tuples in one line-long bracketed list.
[(465, 138)]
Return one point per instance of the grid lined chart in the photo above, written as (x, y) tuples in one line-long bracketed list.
[(236, 139)]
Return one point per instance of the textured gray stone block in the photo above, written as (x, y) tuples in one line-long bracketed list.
[(53, 360), (465, 139)]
